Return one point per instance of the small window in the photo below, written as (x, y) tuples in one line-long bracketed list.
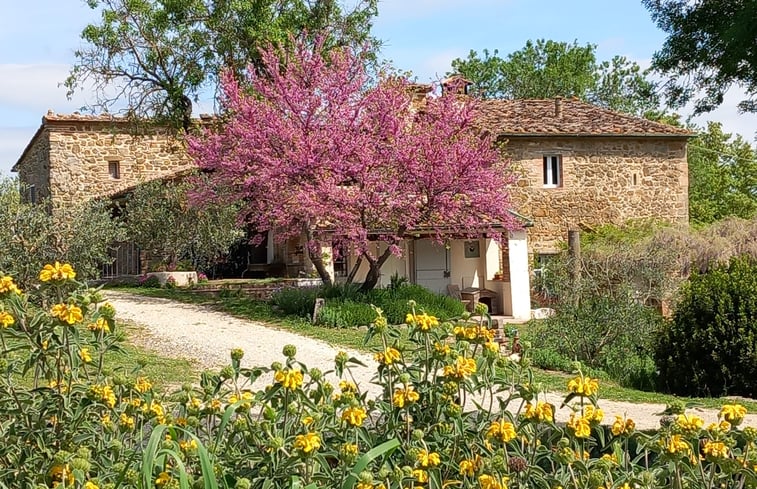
[(553, 171), (114, 169), (32, 194), (339, 261)]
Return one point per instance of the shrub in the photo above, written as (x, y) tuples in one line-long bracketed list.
[(345, 314), (286, 425), (149, 281), (296, 301), (710, 346)]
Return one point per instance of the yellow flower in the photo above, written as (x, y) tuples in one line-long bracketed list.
[(541, 412), (467, 467), (163, 478), (104, 393), (442, 349), (67, 313), (90, 485), (487, 481), (308, 442), (354, 416), (289, 379), (6, 319), (388, 357), (125, 421), (463, 367), (57, 272), (583, 386), (465, 333), (501, 430), (689, 422), (307, 420), (62, 474), (350, 449), (622, 426), (676, 444), (100, 325), (428, 459), (404, 396), (580, 426), (157, 409), (715, 449), (84, 354), (612, 458), (424, 322), (142, 385), (420, 475), (7, 285), (722, 426), (188, 445), (733, 413), (593, 415)]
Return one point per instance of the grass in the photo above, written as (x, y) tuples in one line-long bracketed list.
[(353, 338)]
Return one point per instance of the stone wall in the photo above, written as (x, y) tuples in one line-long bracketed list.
[(34, 168), (604, 180), (80, 154)]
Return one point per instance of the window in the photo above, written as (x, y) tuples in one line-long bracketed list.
[(339, 260), (32, 194), (114, 169), (553, 171)]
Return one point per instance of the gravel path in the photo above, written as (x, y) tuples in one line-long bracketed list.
[(180, 330)]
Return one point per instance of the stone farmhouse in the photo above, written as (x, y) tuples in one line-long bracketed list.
[(579, 166)]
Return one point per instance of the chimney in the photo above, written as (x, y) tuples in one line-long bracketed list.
[(558, 107), (456, 84), (418, 92)]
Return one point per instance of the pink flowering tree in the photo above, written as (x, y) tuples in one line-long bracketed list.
[(314, 149)]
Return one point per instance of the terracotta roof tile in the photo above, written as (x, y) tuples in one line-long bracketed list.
[(567, 117)]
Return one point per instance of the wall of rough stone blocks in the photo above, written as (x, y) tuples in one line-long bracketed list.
[(605, 180), (33, 169)]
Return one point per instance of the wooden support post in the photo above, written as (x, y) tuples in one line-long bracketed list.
[(574, 251)]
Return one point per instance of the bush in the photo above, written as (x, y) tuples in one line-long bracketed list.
[(613, 334), (296, 301), (710, 347), (149, 281), (345, 314), (77, 426)]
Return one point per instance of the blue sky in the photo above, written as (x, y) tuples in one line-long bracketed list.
[(38, 38)]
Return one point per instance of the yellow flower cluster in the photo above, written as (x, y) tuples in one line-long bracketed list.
[(503, 431), (67, 313), (347, 386), (246, 396), (472, 333), (580, 426), (420, 475), (424, 322), (57, 272), (676, 444), (593, 415), (104, 393), (689, 422), (388, 356), (463, 367), (84, 355), (142, 385), (733, 413), (7, 285), (403, 396), (156, 409), (468, 467), (583, 386), (6, 319), (542, 412), (126, 422), (723, 426), (428, 459), (442, 349), (622, 426), (307, 443), (100, 325), (188, 445), (486, 481), (289, 379), (715, 449), (354, 416)]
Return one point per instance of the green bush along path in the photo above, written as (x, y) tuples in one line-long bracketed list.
[(198, 333)]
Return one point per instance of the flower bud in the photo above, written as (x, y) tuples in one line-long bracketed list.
[(290, 351), (237, 354)]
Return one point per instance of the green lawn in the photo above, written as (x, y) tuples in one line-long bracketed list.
[(353, 338)]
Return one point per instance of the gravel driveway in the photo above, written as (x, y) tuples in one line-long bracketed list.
[(180, 330)]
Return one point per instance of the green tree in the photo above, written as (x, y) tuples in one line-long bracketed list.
[(545, 69), (722, 176), (710, 48), (162, 54), (32, 237), (163, 220)]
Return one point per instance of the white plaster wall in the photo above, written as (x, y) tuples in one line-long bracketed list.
[(466, 272), (520, 283)]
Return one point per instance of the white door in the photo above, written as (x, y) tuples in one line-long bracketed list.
[(432, 265)]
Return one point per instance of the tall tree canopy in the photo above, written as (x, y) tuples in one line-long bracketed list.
[(722, 176), (320, 153), (545, 69), (157, 56), (711, 46)]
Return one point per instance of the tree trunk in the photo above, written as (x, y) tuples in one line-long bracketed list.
[(355, 268), (374, 272), (317, 258)]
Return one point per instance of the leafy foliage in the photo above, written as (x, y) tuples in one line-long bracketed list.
[(341, 161), (164, 54), (31, 236), (546, 69), (710, 347), (162, 220), (722, 176), (709, 49)]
